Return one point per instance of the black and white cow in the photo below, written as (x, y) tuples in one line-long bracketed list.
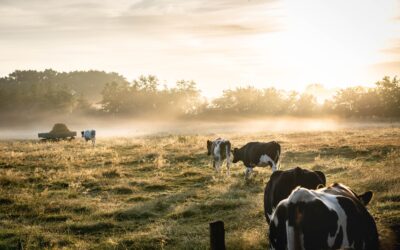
[(258, 154), (89, 135), (281, 184), (329, 218), (220, 149)]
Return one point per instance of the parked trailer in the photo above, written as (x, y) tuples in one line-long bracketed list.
[(59, 132)]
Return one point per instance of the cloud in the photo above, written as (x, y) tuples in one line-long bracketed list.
[(392, 65), (197, 6), (395, 50), (388, 68), (42, 18)]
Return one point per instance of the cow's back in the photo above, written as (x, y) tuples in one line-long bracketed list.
[(254, 150), (323, 219), (223, 148), (361, 225), (282, 183)]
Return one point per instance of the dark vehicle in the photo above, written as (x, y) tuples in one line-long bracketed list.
[(59, 132)]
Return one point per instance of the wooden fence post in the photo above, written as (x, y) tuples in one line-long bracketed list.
[(217, 235)]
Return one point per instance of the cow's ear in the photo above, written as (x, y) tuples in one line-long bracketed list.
[(321, 176), (366, 197)]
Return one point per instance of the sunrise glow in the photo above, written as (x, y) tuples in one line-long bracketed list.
[(219, 44)]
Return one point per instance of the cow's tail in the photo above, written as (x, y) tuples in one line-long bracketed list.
[(293, 230), (228, 149)]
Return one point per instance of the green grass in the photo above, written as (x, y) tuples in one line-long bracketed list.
[(160, 192)]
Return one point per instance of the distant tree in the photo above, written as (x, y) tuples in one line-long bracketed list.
[(32, 92), (274, 102), (115, 97), (147, 84), (89, 84), (185, 97), (381, 101), (346, 101), (51, 91), (144, 97), (307, 105), (388, 91)]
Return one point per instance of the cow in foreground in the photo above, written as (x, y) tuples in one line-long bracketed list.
[(219, 149), (329, 218), (258, 154), (282, 183), (89, 135)]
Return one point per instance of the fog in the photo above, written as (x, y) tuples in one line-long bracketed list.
[(108, 128)]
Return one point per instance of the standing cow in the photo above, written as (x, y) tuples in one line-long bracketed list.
[(258, 154), (281, 184), (89, 135), (329, 218), (219, 149)]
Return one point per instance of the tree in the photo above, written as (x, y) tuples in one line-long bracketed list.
[(389, 94)]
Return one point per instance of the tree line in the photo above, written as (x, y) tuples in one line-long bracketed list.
[(98, 93)]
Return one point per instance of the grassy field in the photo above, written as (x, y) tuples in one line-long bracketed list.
[(160, 192)]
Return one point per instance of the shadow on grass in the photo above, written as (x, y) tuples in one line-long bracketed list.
[(153, 208), (373, 153), (91, 228)]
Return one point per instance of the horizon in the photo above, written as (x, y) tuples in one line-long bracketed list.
[(222, 45)]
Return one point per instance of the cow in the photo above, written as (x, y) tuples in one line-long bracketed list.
[(281, 184), (220, 149), (258, 154), (89, 135), (329, 218)]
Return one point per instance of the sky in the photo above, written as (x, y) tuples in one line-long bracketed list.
[(220, 44)]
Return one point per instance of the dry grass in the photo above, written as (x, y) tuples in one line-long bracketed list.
[(160, 191)]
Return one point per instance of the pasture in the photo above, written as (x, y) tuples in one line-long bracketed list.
[(160, 191)]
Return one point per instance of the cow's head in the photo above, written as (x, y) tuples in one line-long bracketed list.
[(237, 156), (321, 175), (82, 133), (209, 146)]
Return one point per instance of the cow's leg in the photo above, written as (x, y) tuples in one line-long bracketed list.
[(93, 141), (228, 161), (248, 172), (217, 164), (273, 165)]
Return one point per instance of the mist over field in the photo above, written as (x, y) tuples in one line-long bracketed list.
[(32, 101), (108, 128)]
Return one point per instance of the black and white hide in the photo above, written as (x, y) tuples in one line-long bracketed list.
[(258, 154), (329, 218), (89, 135), (281, 184), (220, 149)]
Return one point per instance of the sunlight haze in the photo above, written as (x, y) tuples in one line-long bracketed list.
[(219, 44)]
